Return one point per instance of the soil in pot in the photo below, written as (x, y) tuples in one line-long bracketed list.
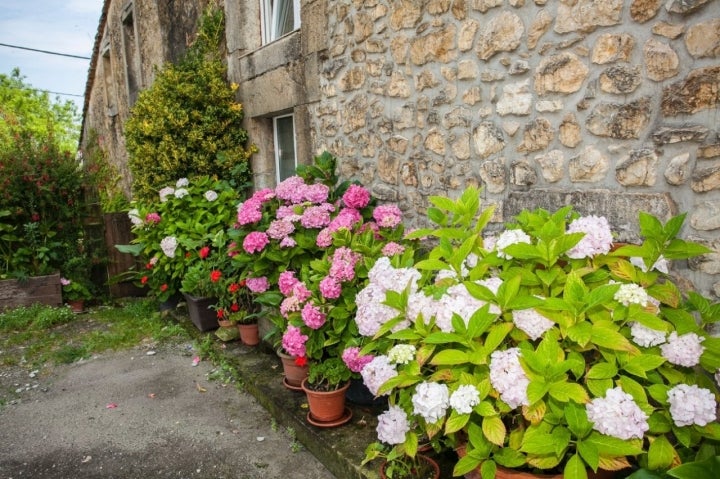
[(427, 469)]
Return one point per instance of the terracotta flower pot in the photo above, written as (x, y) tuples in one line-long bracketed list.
[(249, 334), (76, 305), (294, 374), (432, 472), (325, 406)]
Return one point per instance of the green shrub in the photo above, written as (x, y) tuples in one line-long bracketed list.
[(188, 122)]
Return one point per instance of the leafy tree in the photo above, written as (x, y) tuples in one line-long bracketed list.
[(25, 110)]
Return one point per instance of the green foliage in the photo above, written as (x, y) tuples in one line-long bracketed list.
[(42, 205), (103, 175), (328, 375), (25, 111), (188, 122)]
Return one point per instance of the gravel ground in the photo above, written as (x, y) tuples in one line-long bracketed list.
[(140, 414)]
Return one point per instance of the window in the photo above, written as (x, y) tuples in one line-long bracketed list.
[(279, 18), (284, 137), (130, 53), (107, 73)]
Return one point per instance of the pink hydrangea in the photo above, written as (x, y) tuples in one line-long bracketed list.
[(153, 218), (356, 197), (346, 218), (312, 316), (330, 287), (393, 248), (258, 285), (291, 189), (301, 292), (315, 217), (293, 341), (387, 216), (289, 305), (286, 281), (317, 193), (376, 372), (249, 212), (287, 213), (279, 229), (255, 242), (343, 264), (352, 359), (263, 195), (288, 242), (324, 238)]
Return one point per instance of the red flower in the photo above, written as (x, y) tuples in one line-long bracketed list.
[(234, 307), (149, 266), (215, 275), (242, 283), (301, 361), (220, 313), (164, 287), (35, 217), (234, 288), (188, 254), (143, 280), (204, 252)]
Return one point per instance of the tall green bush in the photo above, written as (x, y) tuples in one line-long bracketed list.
[(188, 123)]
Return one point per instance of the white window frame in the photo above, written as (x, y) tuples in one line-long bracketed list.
[(270, 18), (277, 146)]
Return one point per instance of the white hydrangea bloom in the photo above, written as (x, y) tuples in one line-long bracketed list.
[(489, 242), (169, 245), (419, 303), (631, 293), (508, 377), (392, 426), (457, 299), (211, 195), (134, 215), (182, 183), (465, 398), (617, 415), (431, 401), (181, 192), (690, 404), (646, 337), (509, 237), (598, 237), (376, 372), (660, 265), (371, 314), (165, 192), (531, 322), (401, 353), (683, 350)]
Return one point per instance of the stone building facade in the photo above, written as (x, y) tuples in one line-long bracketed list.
[(609, 105)]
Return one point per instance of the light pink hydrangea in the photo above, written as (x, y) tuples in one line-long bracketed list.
[(352, 359), (617, 415), (660, 265), (597, 240), (169, 245), (288, 213), (288, 242), (315, 217), (683, 350), (690, 404), (291, 189), (290, 305), (286, 282), (387, 216), (343, 263), (317, 193), (509, 237), (464, 399), (279, 229), (346, 218), (393, 425), (508, 377), (293, 341), (249, 212), (356, 197), (165, 192), (531, 322), (393, 248), (330, 287), (324, 238), (376, 372), (646, 337), (255, 242)]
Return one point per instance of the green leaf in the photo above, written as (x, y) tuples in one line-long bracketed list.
[(660, 454), (589, 453), (602, 370), (538, 443), (509, 457), (709, 468), (450, 357), (581, 333), (536, 390), (611, 339), (639, 365), (494, 430), (577, 420), (456, 422), (488, 469), (612, 446), (565, 391), (575, 468)]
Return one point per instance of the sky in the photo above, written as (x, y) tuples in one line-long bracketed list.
[(63, 26)]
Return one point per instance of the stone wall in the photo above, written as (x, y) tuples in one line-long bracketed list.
[(610, 105)]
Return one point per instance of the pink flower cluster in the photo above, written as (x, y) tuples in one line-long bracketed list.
[(387, 216), (295, 191), (312, 316), (250, 211), (356, 197), (598, 237), (293, 341), (255, 242), (353, 360), (258, 285), (152, 218)]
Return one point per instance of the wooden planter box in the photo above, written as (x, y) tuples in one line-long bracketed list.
[(38, 289)]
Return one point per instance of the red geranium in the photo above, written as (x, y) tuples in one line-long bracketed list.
[(233, 288), (204, 252), (215, 275), (143, 280), (164, 287), (301, 361)]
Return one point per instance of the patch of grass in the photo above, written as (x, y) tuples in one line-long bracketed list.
[(41, 334)]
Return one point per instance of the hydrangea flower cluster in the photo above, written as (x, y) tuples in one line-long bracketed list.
[(646, 337), (393, 425), (690, 404), (684, 350), (508, 237), (630, 293), (431, 401), (531, 322), (168, 245), (354, 361), (402, 353), (464, 399), (293, 341), (598, 237), (617, 415), (508, 377), (376, 372)]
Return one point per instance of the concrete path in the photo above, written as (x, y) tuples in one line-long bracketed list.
[(132, 415)]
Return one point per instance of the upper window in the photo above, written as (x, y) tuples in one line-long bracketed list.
[(280, 17), (284, 137)]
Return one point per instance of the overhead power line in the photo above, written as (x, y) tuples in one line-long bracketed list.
[(44, 51), (45, 91)]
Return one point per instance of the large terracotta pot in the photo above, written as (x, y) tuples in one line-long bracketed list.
[(326, 407), (294, 374), (433, 471)]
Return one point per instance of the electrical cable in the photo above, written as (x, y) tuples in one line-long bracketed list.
[(44, 51)]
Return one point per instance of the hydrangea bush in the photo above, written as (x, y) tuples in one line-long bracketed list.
[(544, 347)]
